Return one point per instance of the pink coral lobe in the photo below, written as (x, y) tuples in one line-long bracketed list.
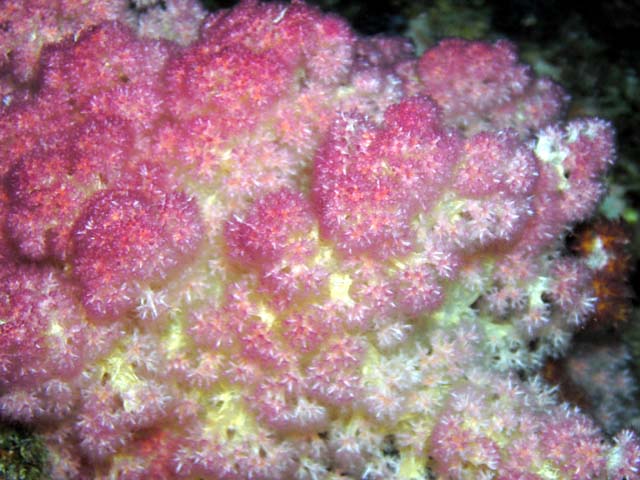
[(32, 299), (495, 162), (303, 37), (275, 226), (126, 237), (368, 181), (130, 61), (245, 83), (461, 74), (48, 187)]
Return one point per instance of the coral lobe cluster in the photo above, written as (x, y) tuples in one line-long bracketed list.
[(254, 245)]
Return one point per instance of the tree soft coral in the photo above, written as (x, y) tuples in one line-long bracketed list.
[(256, 245)]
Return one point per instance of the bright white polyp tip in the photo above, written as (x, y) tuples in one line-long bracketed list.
[(151, 304)]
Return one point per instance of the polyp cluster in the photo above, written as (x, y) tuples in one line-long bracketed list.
[(255, 245)]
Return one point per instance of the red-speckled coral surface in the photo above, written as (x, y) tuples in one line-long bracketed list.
[(253, 244)]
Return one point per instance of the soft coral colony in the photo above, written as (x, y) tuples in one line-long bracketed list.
[(255, 245)]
